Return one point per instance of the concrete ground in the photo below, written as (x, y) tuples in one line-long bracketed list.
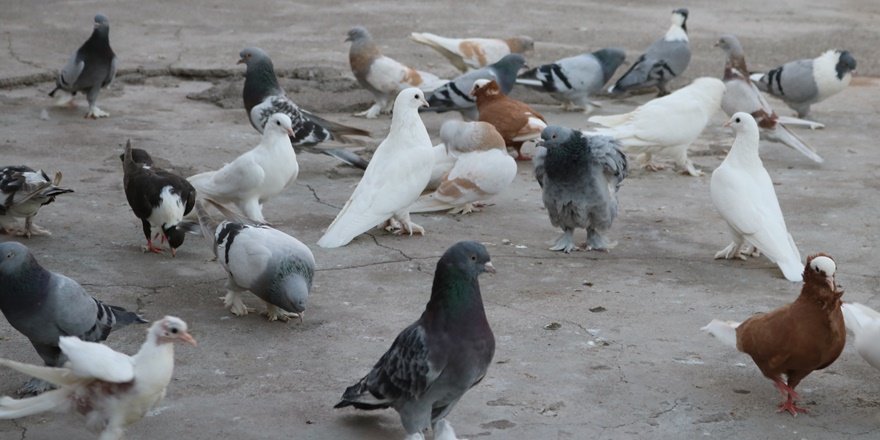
[(589, 345)]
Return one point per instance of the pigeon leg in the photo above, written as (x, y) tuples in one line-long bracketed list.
[(233, 302), (645, 159), (391, 225), (252, 210), (565, 242), (443, 431), (94, 111), (596, 242), (408, 225), (682, 161), (277, 314), (150, 247), (661, 90), (733, 250), (63, 99)]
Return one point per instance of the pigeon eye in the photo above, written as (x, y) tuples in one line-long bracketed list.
[(417, 96), (174, 330), (737, 119), (278, 123), (473, 258)]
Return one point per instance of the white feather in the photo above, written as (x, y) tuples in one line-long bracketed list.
[(725, 331), (825, 75), (864, 323)]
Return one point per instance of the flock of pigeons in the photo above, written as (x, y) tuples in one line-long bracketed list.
[(433, 362)]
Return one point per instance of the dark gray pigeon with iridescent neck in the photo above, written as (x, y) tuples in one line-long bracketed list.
[(580, 176), (263, 97), (91, 68), (45, 305), (438, 358)]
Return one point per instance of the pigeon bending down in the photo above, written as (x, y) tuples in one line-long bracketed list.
[(574, 79), (24, 191), (743, 194), (272, 265), (803, 83), (158, 198), (110, 389), (257, 175), (664, 60), (579, 176), (400, 170), (263, 97), (91, 68), (438, 358), (473, 53), (515, 120), (864, 323), (45, 305), (667, 125), (458, 137), (382, 76), (741, 95), (479, 172), (797, 338), (455, 95)]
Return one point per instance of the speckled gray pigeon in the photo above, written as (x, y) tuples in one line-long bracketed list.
[(23, 191), (438, 358), (455, 95), (572, 80), (91, 68), (664, 60), (580, 176), (45, 305)]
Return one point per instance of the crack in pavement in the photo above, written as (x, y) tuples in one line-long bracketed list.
[(315, 195), (23, 429), (15, 55)]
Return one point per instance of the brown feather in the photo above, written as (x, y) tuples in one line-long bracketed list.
[(507, 115)]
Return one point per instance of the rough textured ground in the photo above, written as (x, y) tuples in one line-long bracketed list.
[(590, 345)]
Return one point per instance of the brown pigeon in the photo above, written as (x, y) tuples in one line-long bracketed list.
[(515, 120)]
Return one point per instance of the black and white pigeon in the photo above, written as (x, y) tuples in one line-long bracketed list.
[(579, 176), (803, 83), (272, 265), (574, 79), (159, 198), (263, 97), (23, 191), (664, 60), (455, 95), (438, 358), (45, 305), (91, 68)]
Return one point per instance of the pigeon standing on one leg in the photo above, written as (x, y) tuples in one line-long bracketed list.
[(22, 192), (455, 95), (664, 60), (45, 305), (579, 176), (91, 68), (438, 358), (574, 79)]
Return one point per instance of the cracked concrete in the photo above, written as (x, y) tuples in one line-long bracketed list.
[(626, 358)]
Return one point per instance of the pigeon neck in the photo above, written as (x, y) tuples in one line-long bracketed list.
[(676, 33), (455, 294), (405, 120), (31, 278), (745, 148), (362, 53), (560, 159), (260, 82), (736, 66), (99, 41)]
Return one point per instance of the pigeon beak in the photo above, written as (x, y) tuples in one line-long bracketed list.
[(717, 44), (290, 131), (425, 103), (726, 124), (347, 39), (240, 61), (489, 267), (186, 337)]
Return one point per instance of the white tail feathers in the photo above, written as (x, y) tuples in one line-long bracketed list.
[(50, 400), (529, 82), (784, 135), (756, 77), (864, 323), (53, 375), (725, 331), (857, 316), (792, 121)]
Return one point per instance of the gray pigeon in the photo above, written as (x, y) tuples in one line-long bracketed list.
[(580, 176), (664, 60), (263, 97), (455, 95), (435, 360), (45, 305), (23, 191), (803, 83), (572, 80), (91, 68), (272, 265)]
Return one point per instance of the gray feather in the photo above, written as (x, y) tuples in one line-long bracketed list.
[(574, 79), (92, 67), (455, 95)]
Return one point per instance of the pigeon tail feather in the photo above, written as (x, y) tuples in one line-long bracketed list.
[(725, 331), (125, 317), (857, 315), (428, 203), (360, 397), (784, 135), (51, 400)]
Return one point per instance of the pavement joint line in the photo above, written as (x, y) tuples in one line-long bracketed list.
[(15, 55)]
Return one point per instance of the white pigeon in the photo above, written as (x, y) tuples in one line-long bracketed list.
[(743, 194), (481, 169), (256, 176), (384, 77), (112, 390), (667, 125), (397, 174), (458, 137), (864, 323), (473, 53)]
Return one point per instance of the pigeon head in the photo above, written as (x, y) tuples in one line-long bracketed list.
[(610, 59), (555, 135), (507, 68), (175, 236), (679, 17), (820, 270), (468, 257), (521, 44), (358, 33), (281, 123), (101, 22), (485, 87), (171, 329), (12, 256), (252, 56), (845, 64), (291, 285), (139, 156), (412, 97), (729, 44), (742, 122)]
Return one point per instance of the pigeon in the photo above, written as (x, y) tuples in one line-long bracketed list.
[(110, 389), (382, 76), (803, 83), (24, 191), (797, 338), (438, 358), (666, 125), (743, 194), (864, 323), (272, 265), (514, 120), (257, 175), (458, 137), (664, 60), (263, 97), (473, 53), (741, 95), (574, 79), (399, 171), (455, 95), (45, 305), (91, 68), (478, 173), (158, 197), (579, 176)]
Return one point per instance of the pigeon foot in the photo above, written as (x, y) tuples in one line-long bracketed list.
[(410, 228), (64, 99), (233, 302), (467, 208), (150, 247), (277, 314), (443, 431), (370, 113), (564, 243), (96, 113)]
